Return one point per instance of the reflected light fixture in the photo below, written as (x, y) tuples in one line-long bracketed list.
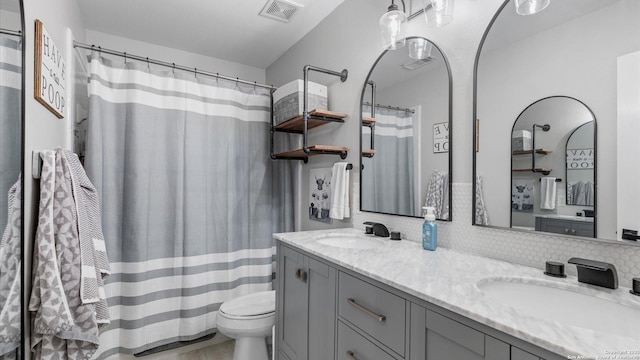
[(438, 12), (530, 7), (393, 26), (419, 49)]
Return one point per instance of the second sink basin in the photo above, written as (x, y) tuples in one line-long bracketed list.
[(349, 241), (567, 305)]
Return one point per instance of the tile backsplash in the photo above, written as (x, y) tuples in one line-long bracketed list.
[(514, 246)]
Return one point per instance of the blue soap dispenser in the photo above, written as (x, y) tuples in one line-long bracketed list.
[(429, 230)]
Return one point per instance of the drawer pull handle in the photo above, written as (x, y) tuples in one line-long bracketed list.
[(378, 317), (351, 356)]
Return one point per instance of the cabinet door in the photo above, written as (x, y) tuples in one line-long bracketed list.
[(292, 304), (436, 337), (517, 354), (322, 310)]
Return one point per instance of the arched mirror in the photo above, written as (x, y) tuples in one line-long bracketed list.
[(587, 51), (551, 138), (406, 118), (11, 123)]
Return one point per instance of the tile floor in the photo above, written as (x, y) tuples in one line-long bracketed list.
[(222, 351)]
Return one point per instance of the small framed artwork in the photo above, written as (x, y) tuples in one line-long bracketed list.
[(320, 194), (441, 138), (50, 73)]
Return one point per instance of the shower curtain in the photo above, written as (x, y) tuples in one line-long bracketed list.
[(189, 199), (388, 176), (10, 109), (10, 191)]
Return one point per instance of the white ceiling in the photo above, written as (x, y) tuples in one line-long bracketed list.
[(226, 29)]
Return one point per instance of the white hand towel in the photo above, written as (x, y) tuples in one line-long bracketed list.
[(548, 193), (340, 191)]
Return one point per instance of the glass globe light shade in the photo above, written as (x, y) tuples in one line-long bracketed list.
[(530, 7), (393, 28)]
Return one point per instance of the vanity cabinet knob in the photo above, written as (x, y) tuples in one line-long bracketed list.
[(301, 275), (350, 355), (567, 231)]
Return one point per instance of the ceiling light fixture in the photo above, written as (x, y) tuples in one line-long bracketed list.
[(419, 48), (530, 7), (393, 26), (438, 12)]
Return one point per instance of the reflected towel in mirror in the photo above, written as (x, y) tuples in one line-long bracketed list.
[(438, 194), (481, 216), (548, 193)]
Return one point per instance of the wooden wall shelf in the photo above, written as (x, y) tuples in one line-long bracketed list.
[(315, 150), (528, 152), (316, 118), (368, 153)]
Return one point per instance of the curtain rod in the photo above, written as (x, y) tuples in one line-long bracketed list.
[(167, 64), (391, 107), (10, 32)]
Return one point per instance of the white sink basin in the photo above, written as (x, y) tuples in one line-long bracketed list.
[(349, 241), (569, 306)]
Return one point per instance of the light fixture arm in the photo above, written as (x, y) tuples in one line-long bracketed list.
[(394, 6)]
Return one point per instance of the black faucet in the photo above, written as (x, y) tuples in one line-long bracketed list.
[(596, 273), (378, 229)]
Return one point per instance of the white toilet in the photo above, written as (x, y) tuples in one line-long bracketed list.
[(249, 319)]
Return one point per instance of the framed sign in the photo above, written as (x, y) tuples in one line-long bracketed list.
[(579, 159), (320, 193), (441, 137), (50, 73)]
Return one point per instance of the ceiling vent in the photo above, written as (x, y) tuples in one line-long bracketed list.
[(280, 10), (415, 64)]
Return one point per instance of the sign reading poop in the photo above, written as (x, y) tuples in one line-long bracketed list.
[(441, 138), (50, 72)]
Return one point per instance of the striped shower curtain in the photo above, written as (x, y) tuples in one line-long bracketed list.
[(387, 178), (189, 198), (11, 121), (10, 213)]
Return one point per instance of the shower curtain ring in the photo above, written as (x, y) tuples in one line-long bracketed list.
[(125, 58), (217, 78), (148, 68), (237, 81), (174, 68), (195, 73), (100, 50)]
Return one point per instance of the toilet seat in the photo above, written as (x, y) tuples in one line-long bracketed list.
[(252, 306)]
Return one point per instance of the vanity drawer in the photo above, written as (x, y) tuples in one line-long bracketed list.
[(352, 345), (377, 312)]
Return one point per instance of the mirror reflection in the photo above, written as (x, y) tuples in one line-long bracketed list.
[(583, 53), (549, 137), (10, 179), (406, 112)]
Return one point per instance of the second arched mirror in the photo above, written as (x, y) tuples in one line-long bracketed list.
[(406, 132)]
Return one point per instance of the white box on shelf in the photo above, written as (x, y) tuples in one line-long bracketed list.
[(288, 99), (521, 140)]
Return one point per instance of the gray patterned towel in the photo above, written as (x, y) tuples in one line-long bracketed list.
[(63, 326), (95, 265), (10, 260)]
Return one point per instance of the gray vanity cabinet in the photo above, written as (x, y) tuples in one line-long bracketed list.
[(306, 296), (564, 226), (327, 312)]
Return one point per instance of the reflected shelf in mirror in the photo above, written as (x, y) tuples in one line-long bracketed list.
[(404, 143), (523, 61)]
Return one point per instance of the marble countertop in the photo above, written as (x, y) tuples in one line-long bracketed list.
[(450, 279)]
